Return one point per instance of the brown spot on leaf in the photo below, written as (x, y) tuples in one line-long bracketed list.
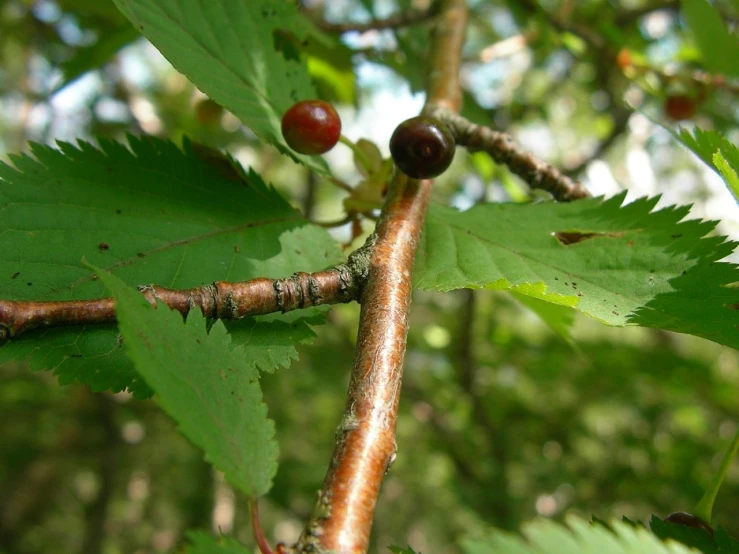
[(573, 237), (236, 248), (103, 246), (15, 274), (677, 236), (733, 306)]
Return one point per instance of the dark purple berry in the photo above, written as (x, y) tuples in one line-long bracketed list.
[(688, 520), (422, 147), (311, 127)]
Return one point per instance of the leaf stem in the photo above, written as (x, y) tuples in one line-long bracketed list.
[(256, 527), (704, 508)]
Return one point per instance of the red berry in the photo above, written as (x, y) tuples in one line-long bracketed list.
[(422, 147), (311, 127), (680, 107), (689, 520)]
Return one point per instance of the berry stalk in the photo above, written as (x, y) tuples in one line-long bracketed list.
[(705, 506)]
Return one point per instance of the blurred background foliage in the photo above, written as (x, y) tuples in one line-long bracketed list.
[(501, 419)]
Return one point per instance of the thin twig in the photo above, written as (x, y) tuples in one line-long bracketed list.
[(502, 148)]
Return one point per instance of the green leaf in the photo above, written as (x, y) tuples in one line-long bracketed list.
[(227, 49), (727, 172), (578, 537), (689, 536), (175, 218), (203, 543), (719, 48), (621, 265), (211, 389), (716, 151), (401, 550), (559, 318)]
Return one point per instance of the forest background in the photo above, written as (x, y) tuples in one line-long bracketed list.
[(503, 416)]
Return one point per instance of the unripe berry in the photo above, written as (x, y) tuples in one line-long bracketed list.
[(623, 58), (689, 520), (311, 127), (422, 147), (680, 106), (208, 112)]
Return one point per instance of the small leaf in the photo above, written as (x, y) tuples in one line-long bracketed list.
[(719, 48), (715, 150), (728, 173), (401, 550), (210, 388)]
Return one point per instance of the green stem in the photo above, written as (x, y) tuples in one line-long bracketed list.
[(358, 153), (704, 508)]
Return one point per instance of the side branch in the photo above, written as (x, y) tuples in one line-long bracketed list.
[(502, 148), (221, 300)]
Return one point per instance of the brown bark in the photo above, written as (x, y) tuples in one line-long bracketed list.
[(502, 148), (365, 446), (366, 437), (218, 300)]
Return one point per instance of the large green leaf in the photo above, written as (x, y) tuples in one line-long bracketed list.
[(152, 214), (619, 264), (210, 389), (227, 48), (719, 48), (544, 536)]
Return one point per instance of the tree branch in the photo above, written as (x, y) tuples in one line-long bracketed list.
[(502, 148), (222, 300), (365, 441)]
